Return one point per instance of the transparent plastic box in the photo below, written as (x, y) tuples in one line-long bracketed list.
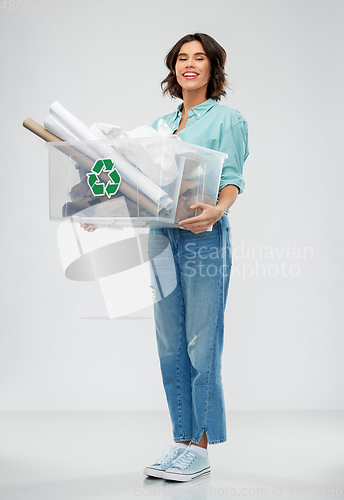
[(160, 178)]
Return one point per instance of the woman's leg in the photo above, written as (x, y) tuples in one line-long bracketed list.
[(169, 315), (205, 264), (203, 442)]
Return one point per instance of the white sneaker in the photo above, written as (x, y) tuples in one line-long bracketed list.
[(165, 460), (188, 466)]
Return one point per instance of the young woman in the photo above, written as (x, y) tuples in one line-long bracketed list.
[(190, 320)]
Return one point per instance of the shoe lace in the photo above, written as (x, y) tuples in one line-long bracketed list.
[(167, 455), (184, 460)]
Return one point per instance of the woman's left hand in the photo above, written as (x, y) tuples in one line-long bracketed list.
[(203, 221)]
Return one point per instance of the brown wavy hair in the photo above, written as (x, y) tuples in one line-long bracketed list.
[(217, 56)]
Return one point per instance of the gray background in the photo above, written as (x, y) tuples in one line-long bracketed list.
[(104, 61)]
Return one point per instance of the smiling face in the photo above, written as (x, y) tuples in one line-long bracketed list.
[(193, 67)]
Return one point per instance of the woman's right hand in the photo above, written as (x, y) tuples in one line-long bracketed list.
[(88, 227)]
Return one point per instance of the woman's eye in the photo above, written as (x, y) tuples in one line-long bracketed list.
[(197, 59)]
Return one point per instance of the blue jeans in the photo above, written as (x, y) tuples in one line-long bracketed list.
[(190, 282)]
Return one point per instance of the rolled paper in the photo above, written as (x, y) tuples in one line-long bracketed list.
[(126, 169), (76, 126), (54, 125), (37, 129), (88, 163)]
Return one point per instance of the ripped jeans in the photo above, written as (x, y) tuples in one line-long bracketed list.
[(190, 279)]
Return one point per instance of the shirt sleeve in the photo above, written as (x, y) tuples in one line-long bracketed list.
[(155, 124), (235, 144)]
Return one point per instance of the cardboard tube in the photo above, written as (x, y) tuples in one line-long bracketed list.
[(86, 162), (42, 132)]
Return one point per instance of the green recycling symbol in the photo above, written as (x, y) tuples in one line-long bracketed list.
[(97, 187)]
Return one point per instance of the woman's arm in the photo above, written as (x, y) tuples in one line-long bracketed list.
[(211, 214), (227, 197)]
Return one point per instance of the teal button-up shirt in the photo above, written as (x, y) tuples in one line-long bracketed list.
[(217, 127)]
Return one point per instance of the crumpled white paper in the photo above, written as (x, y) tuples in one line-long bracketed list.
[(108, 131), (159, 166)]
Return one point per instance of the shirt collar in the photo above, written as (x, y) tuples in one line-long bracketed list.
[(198, 111)]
